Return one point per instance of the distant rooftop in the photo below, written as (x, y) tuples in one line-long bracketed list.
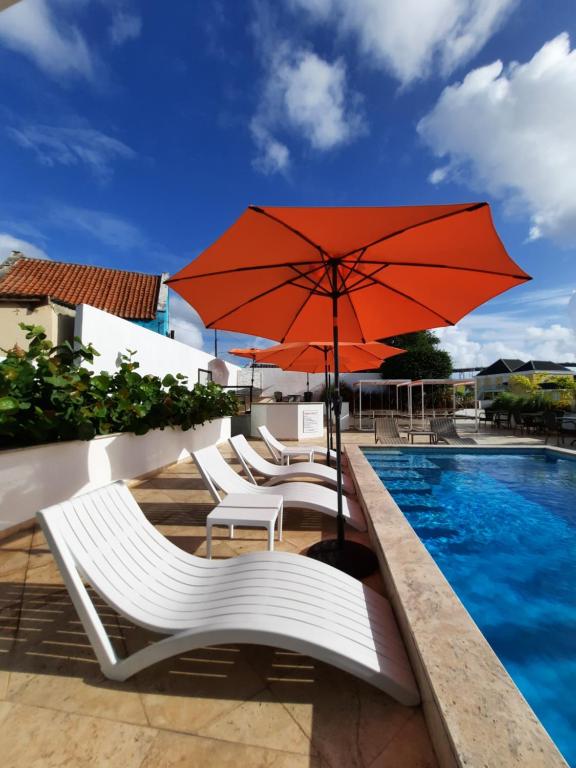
[(542, 365), (501, 366), (131, 295)]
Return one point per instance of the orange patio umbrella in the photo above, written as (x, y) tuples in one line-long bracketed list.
[(318, 357), (350, 274)]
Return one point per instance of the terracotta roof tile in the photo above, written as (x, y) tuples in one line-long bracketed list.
[(131, 295)]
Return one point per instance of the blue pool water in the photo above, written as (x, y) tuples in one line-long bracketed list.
[(502, 528)]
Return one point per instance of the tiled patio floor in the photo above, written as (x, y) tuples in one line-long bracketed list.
[(242, 706)]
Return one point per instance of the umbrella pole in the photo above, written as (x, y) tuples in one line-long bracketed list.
[(252, 386), (337, 406), (327, 405), (353, 558)]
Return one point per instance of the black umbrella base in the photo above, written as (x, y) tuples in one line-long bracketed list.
[(351, 557)]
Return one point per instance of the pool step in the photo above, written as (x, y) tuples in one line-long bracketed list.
[(409, 502), (407, 485), (384, 474), (415, 462)]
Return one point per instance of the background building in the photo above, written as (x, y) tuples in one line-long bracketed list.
[(47, 293)]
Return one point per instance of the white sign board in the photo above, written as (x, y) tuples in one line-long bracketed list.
[(311, 421)]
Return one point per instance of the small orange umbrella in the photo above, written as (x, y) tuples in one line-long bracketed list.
[(318, 356), (350, 274)]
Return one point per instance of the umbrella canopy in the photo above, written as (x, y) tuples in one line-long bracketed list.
[(250, 352), (350, 274), (316, 357), (394, 270)]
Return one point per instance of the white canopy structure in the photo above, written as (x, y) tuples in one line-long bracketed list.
[(454, 383), (379, 383)]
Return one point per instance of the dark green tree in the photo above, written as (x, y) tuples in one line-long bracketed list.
[(422, 359)]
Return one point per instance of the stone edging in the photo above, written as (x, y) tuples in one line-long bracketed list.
[(476, 716)]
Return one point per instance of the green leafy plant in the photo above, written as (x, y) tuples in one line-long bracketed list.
[(48, 395)]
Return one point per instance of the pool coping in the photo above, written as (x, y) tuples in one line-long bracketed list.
[(475, 714)]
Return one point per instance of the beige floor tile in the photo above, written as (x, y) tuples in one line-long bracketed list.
[(348, 722), (171, 750), (4, 679), (45, 571), (5, 708), (188, 692), (261, 722), (22, 540), (410, 748), (90, 694), (13, 564), (42, 738)]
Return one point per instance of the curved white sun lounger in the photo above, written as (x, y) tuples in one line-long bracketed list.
[(250, 458), (268, 598), (217, 474), (279, 451)]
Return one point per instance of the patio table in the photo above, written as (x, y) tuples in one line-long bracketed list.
[(433, 437), (253, 511)]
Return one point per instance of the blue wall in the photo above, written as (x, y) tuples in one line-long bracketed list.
[(161, 323)]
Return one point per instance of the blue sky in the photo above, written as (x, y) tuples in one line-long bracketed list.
[(133, 134)]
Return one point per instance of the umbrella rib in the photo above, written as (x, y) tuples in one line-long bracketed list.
[(261, 295), (357, 286), (294, 231), (405, 296), (361, 253), (251, 268), (306, 300), (469, 209), (417, 264), (357, 318)]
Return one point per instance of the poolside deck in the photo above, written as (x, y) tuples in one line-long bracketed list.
[(234, 705)]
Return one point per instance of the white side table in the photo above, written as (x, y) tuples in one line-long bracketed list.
[(287, 452), (251, 510)]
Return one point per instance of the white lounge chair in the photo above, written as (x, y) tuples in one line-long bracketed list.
[(250, 458), (281, 453), (217, 474), (268, 598)]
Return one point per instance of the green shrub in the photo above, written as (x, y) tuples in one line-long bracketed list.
[(46, 395), (528, 403)]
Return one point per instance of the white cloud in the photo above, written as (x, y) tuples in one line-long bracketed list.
[(55, 145), (511, 132), (314, 99), (32, 29), (273, 156), (185, 322), (411, 38), (478, 341), (307, 96), (124, 26), (9, 243), (108, 229)]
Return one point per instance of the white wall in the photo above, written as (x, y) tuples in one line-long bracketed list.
[(157, 354), (289, 421), (293, 382), (36, 477)]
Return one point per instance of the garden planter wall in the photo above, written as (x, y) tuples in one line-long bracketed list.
[(35, 477)]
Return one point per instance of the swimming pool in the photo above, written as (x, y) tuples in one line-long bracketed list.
[(502, 528)]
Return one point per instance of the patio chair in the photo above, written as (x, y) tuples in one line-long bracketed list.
[(218, 474), (386, 431), (446, 432), (268, 598), (278, 449), (250, 458)]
